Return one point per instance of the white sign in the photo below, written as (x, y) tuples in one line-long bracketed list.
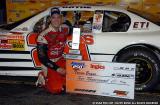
[(76, 38), (97, 23), (101, 78)]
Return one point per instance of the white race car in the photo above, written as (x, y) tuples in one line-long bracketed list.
[(107, 34)]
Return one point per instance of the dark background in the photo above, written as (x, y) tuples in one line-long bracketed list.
[(2, 11)]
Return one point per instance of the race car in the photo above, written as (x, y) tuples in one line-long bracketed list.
[(108, 33)]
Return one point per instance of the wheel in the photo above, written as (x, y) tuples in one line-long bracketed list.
[(147, 68)]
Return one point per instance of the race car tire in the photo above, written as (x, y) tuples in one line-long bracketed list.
[(147, 67)]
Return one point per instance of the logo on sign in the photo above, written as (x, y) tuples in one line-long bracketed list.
[(77, 65), (120, 93), (97, 66)]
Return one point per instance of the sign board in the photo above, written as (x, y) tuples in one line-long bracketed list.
[(97, 23), (76, 38), (101, 78)]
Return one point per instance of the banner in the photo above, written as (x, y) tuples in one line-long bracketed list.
[(101, 78)]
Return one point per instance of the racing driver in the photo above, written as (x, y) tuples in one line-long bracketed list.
[(50, 46)]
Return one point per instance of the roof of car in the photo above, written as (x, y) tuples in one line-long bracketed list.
[(90, 7)]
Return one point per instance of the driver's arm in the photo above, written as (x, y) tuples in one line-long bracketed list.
[(43, 57), (42, 52)]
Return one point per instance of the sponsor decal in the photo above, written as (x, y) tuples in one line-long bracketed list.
[(120, 93), (20, 37), (97, 66), (140, 25), (15, 46), (5, 46), (3, 41), (15, 41), (97, 22), (12, 42)]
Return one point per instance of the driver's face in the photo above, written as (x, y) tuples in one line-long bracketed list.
[(56, 20)]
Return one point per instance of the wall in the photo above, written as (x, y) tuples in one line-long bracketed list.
[(19, 9)]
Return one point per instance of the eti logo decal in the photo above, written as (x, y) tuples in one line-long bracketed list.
[(141, 25)]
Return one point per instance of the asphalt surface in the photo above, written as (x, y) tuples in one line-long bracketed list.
[(21, 94)]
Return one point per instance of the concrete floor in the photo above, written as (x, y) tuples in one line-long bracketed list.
[(20, 94)]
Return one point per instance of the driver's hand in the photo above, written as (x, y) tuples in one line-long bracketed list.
[(61, 71)]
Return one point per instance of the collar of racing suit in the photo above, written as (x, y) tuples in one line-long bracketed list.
[(51, 28)]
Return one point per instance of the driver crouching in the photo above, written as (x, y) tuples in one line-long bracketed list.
[(50, 47)]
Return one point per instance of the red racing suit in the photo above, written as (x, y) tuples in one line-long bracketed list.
[(50, 46)]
